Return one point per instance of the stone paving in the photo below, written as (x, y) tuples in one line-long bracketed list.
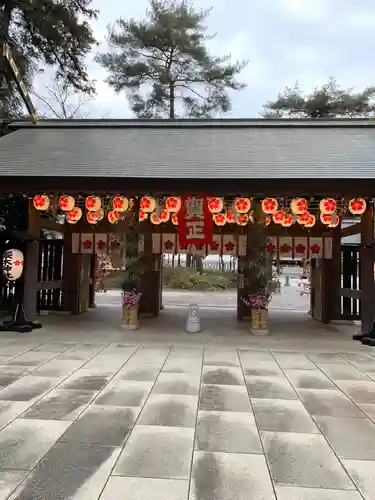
[(88, 420)]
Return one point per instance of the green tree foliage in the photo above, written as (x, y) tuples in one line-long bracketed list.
[(328, 101), (51, 32), (164, 66)]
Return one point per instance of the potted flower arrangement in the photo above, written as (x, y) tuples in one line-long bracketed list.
[(130, 296), (130, 302), (259, 312)]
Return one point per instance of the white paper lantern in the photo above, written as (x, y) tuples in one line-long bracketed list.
[(12, 264)]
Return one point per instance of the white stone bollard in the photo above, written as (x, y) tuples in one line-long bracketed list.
[(193, 322)]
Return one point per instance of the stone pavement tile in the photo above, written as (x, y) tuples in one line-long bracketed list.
[(142, 372), (57, 347), (15, 371), (82, 352), (24, 442), (295, 493), (249, 359), (70, 396), (328, 403), (6, 380), (16, 348), (9, 480), (187, 352), (58, 368), (222, 375), (352, 438), (342, 372), (169, 410), (224, 398), (303, 460), (283, 416), (107, 362), (28, 388), (182, 365), (151, 355), (69, 471), (371, 375), (221, 357), (9, 410), (356, 357), (359, 391), (293, 360), (102, 425), (228, 476), (121, 349), (227, 432), (309, 379), (4, 359), (369, 409), (32, 358), (140, 488), (87, 380), (177, 383), (124, 393), (61, 410), (321, 358), (270, 388), (157, 452), (362, 473), (263, 369)]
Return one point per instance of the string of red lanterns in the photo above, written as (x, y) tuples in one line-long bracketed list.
[(239, 212)]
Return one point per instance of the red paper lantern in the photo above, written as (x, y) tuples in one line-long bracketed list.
[(173, 204), (93, 203), (242, 205), (113, 216), (298, 206), (92, 218), (120, 203), (328, 205), (357, 206), (147, 204), (287, 221), (99, 214), (215, 204), (155, 219), (242, 219), (175, 219), (164, 216), (41, 202), (335, 222), (230, 216), (74, 215), (311, 221), (326, 219), (269, 205), (220, 219), (278, 216), (268, 220), (304, 218), (66, 203), (142, 216)]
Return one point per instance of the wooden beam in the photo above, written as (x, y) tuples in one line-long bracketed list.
[(51, 225), (46, 285), (350, 230), (366, 274)]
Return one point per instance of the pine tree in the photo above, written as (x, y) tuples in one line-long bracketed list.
[(328, 101), (50, 32), (164, 66)]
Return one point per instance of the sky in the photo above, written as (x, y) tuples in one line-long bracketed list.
[(284, 41)]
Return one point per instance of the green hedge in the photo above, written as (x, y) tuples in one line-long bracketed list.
[(181, 278)]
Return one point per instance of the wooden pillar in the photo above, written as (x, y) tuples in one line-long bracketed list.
[(31, 265), (68, 279), (366, 272), (334, 303)]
